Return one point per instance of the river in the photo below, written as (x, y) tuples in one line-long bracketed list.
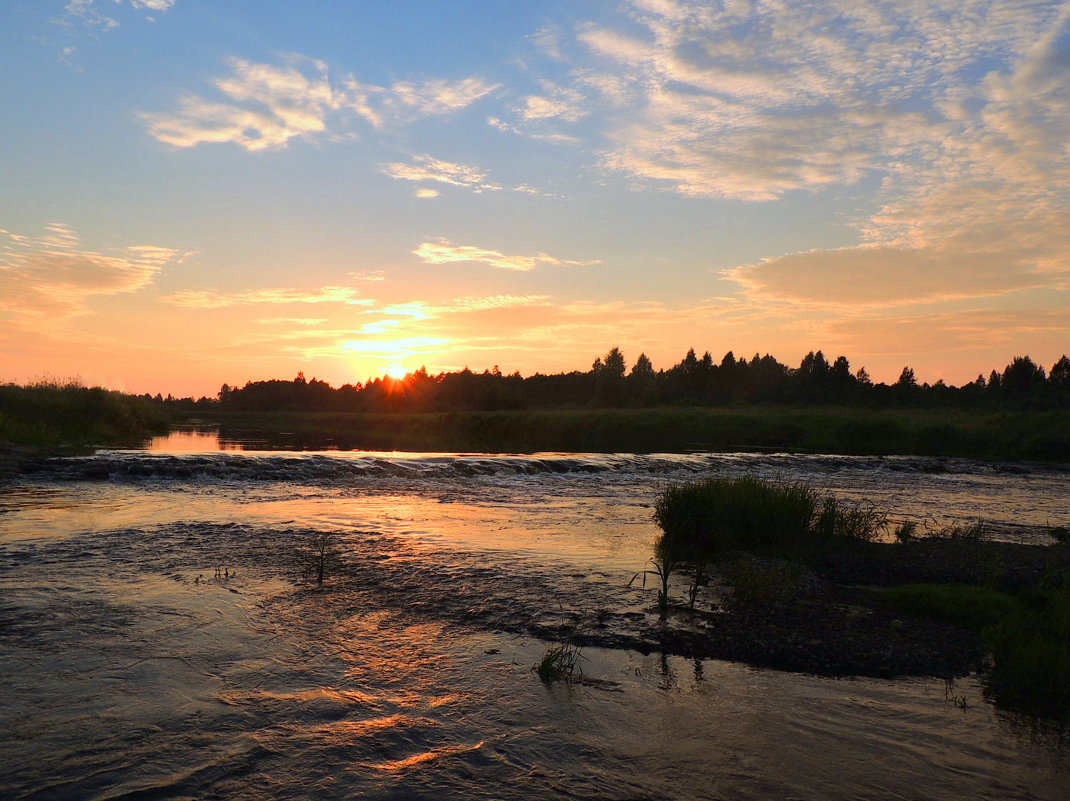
[(157, 639)]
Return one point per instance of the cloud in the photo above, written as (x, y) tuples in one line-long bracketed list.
[(86, 12), (263, 106), (54, 274), (548, 40), (954, 344), (367, 275), (963, 126), (442, 251), (558, 138), (210, 299), (434, 97), (753, 101), (883, 276), (293, 320), (428, 168), (394, 348), (556, 102)]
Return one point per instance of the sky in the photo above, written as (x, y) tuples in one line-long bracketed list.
[(196, 192)]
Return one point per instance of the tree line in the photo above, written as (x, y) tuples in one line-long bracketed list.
[(694, 381)]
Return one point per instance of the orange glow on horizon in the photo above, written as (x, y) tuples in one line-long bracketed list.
[(397, 372)]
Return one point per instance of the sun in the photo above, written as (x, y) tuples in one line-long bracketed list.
[(396, 371)]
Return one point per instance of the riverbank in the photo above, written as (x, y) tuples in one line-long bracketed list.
[(1028, 435)]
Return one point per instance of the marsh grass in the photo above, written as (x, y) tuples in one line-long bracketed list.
[(961, 531), (703, 520), (745, 525), (561, 661), (860, 521), (709, 521)]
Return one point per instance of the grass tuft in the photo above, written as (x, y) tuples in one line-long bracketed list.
[(561, 662)]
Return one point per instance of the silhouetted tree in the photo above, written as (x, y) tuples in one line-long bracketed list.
[(1022, 380), (609, 379), (1060, 373), (643, 382)]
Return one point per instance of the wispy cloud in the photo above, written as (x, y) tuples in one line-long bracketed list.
[(545, 136), (87, 12), (428, 168), (555, 103), (293, 320), (263, 106), (53, 273), (442, 251), (963, 124), (211, 299)]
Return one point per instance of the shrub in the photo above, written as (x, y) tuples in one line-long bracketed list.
[(51, 413)]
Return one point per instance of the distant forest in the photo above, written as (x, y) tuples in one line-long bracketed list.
[(695, 381)]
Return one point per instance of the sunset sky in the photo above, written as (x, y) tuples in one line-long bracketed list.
[(197, 192)]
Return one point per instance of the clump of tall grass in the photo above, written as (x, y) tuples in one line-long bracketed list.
[(704, 518), (837, 518), (704, 521), (961, 531), (561, 662)]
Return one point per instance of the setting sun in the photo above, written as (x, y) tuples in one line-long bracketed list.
[(396, 372)]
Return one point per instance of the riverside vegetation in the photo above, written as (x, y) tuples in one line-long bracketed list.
[(1021, 412), (784, 545), (64, 414)]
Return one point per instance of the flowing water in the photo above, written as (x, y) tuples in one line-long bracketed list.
[(158, 641)]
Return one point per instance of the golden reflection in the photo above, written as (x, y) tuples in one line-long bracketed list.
[(427, 756)]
